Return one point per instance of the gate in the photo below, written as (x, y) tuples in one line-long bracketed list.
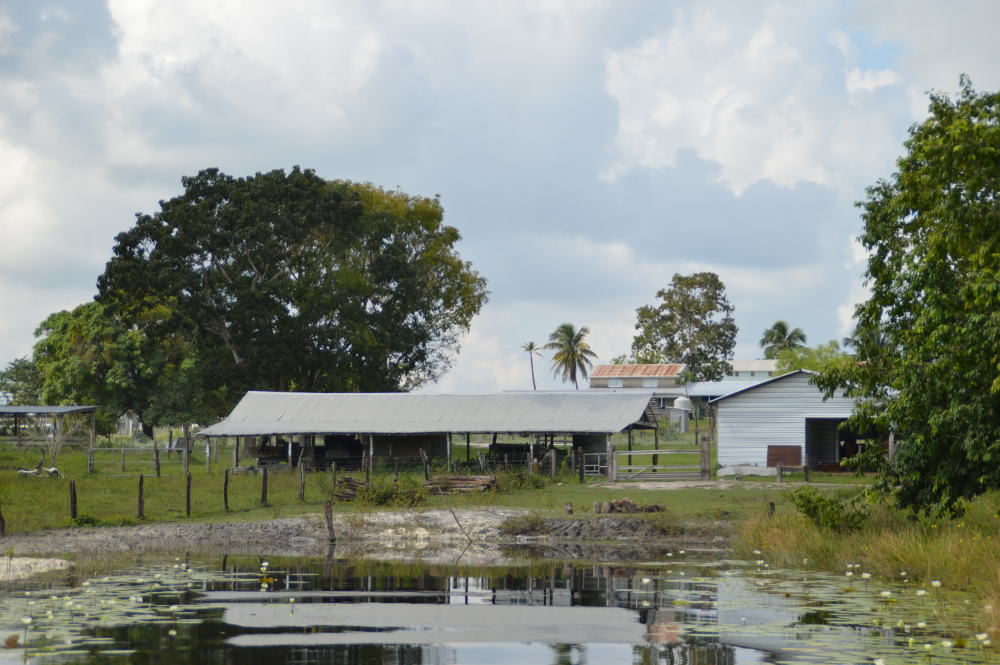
[(641, 465)]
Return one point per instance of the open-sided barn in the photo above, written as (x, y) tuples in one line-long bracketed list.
[(386, 425)]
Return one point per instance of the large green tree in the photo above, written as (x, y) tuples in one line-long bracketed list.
[(89, 356), (928, 337), (692, 324), (572, 356), (21, 383), (286, 281), (779, 337)]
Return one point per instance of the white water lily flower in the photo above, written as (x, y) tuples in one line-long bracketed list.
[(921, 624), (947, 644), (172, 633), (878, 661), (936, 584), (26, 621), (885, 594), (981, 636), (646, 580), (927, 647), (849, 573), (986, 643), (921, 592), (757, 552), (866, 576)]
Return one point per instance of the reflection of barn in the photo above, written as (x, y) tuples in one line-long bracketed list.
[(341, 427)]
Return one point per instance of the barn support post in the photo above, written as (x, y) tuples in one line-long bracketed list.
[(630, 445), (448, 453), (93, 441), (468, 447), (236, 453)]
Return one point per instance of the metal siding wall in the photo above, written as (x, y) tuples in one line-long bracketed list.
[(773, 414)]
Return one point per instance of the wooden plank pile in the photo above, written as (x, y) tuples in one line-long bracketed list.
[(460, 484)]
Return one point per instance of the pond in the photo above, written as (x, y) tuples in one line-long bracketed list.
[(689, 608)]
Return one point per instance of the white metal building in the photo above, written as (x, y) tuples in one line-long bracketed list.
[(784, 411)]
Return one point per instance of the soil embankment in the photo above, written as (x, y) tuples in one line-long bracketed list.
[(473, 536)]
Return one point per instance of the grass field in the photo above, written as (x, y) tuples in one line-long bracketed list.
[(110, 496)]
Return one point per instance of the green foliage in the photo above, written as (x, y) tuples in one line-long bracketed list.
[(843, 511), (928, 337), (21, 383), (507, 482), (406, 493), (289, 282), (779, 338), (692, 324), (524, 525), (572, 357), (87, 520), (820, 358)]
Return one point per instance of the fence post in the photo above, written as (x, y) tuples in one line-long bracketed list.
[(90, 459), (123, 457), (225, 490), (72, 499), (328, 513), (333, 477), (140, 512), (208, 454), (581, 463), (156, 459), (187, 495), (186, 456), (552, 463), (3, 525), (236, 453), (302, 480), (263, 487)]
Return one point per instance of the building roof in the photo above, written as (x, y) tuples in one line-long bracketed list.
[(693, 389), (642, 371), (762, 383), (759, 365), (260, 413), (10, 410)]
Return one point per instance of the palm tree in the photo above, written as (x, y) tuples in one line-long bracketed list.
[(572, 352), (533, 351), (778, 338)]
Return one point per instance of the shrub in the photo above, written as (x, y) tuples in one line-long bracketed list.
[(406, 493), (519, 481), (838, 512), (524, 525)]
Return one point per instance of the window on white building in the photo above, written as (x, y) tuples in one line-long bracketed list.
[(615, 383), (650, 383)]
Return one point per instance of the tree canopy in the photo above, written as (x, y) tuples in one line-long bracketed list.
[(692, 324), (780, 337), (928, 337), (286, 281), (572, 357), (21, 383), (819, 358)]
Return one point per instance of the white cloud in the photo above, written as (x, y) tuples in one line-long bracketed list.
[(870, 80), (754, 94)]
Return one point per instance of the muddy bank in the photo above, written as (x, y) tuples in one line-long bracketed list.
[(471, 536)]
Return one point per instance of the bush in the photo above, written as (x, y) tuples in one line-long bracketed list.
[(406, 493), (525, 525), (838, 512), (519, 481)]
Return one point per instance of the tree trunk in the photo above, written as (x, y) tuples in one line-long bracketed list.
[(147, 430)]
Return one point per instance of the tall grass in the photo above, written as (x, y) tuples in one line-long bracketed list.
[(961, 554)]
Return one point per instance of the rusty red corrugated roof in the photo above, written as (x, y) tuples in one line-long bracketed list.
[(645, 371)]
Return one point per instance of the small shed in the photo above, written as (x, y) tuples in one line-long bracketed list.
[(786, 411)]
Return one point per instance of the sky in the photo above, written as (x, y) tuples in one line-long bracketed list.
[(586, 150)]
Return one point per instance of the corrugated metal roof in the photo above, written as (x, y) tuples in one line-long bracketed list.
[(693, 389), (761, 383), (644, 371), (9, 410), (408, 413)]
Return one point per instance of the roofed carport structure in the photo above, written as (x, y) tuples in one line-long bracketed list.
[(389, 421), (50, 425)]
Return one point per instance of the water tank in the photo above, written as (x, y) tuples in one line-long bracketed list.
[(682, 402)]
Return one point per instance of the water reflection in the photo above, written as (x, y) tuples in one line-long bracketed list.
[(689, 610)]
